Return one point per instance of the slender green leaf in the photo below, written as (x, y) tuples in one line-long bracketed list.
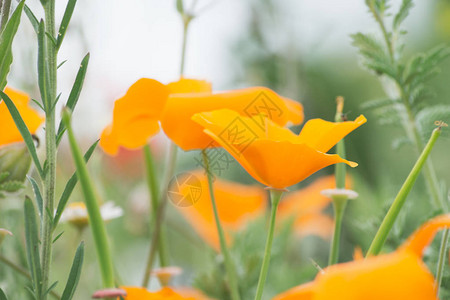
[(6, 38), (65, 22), (2, 295), (32, 243), (74, 94), (33, 20), (22, 127), (97, 224), (58, 236), (43, 72), (74, 275), (37, 194), (70, 186), (402, 13), (61, 64), (52, 286)]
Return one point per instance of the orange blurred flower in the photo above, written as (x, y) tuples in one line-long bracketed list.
[(274, 155), (9, 132), (306, 207), (398, 275), (166, 293), (147, 103), (237, 204)]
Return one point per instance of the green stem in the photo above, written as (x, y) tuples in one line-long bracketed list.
[(152, 183), (275, 196), (230, 267), (339, 209), (23, 272), (380, 21), (441, 261), (95, 218), (339, 202), (160, 214), (5, 6), (186, 22), (50, 141), (400, 199)]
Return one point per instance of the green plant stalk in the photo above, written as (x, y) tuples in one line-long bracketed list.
[(5, 6), (50, 142), (275, 196), (160, 214), (23, 272), (339, 205), (339, 202), (411, 128), (153, 188), (229, 264), (400, 199), (95, 218)]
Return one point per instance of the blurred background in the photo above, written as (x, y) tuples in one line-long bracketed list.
[(301, 49)]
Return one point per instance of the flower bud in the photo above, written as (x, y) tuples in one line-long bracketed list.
[(15, 162)]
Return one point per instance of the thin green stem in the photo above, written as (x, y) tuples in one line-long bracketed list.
[(386, 34), (186, 23), (170, 170), (153, 187), (339, 201), (95, 218), (400, 199), (229, 264), (441, 260), (275, 196), (339, 209), (50, 141), (5, 6), (231, 271), (23, 272)]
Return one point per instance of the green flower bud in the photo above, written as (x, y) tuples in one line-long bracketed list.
[(15, 162)]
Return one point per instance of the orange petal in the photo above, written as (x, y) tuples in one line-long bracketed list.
[(135, 116), (323, 135), (237, 204), (257, 101), (185, 85), (420, 239), (314, 224), (10, 133), (302, 292), (166, 293), (282, 164), (270, 154)]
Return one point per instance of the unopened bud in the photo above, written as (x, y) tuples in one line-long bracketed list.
[(15, 162)]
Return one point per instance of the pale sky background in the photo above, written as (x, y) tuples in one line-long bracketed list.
[(142, 38)]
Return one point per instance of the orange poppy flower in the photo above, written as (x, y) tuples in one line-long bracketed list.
[(166, 293), (136, 115), (274, 155), (237, 204), (306, 207), (398, 275), (256, 101), (9, 133)]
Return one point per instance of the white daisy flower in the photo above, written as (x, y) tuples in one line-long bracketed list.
[(76, 213)]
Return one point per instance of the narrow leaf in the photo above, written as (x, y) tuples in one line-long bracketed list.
[(6, 38), (74, 275), (70, 186), (65, 22), (43, 73), (37, 194), (402, 13), (33, 20), (2, 295), (74, 94), (22, 127), (32, 243), (180, 7)]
